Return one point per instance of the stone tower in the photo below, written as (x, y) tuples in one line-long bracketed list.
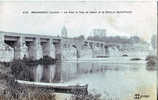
[(64, 32)]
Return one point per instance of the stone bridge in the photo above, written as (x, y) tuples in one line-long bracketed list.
[(87, 48), (99, 44), (36, 46), (31, 45), (104, 49)]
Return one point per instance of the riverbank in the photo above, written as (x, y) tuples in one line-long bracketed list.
[(11, 91), (21, 69)]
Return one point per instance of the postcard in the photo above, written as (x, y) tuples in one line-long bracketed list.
[(78, 50)]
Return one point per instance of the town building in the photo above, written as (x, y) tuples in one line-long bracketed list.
[(99, 32)]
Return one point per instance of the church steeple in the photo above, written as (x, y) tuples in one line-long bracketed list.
[(64, 32)]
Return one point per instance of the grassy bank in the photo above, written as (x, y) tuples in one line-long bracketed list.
[(37, 94), (27, 94), (22, 69)]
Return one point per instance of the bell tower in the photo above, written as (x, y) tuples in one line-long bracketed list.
[(64, 32)]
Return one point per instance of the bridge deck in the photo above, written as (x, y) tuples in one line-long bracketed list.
[(14, 34)]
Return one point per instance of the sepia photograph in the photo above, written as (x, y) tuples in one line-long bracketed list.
[(78, 50)]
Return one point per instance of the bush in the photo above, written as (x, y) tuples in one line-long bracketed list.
[(151, 60), (87, 97), (151, 57), (20, 70), (30, 62), (17, 67), (24, 93), (46, 60)]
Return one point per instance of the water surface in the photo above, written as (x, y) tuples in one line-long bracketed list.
[(110, 77)]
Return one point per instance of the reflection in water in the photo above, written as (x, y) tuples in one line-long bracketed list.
[(38, 73), (114, 79), (51, 73), (110, 80), (67, 71), (47, 73), (44, 73), (72, 70), (57, 77)]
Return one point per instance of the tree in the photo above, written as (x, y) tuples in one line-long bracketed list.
[(134, 39), (81, 37)]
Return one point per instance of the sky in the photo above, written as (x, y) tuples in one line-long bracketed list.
[(140, 18)]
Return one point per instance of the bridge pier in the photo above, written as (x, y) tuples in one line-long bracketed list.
[(35, 49), (52, 73), (52, 49), (91, 45), (6, 52), (38, 53), (20, 48), (58, 53), (106, 50), (32, 47), (49, 48)]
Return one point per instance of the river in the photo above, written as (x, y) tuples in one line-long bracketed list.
[(115, 78)]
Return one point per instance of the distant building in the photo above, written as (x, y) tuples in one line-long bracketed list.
[(99, 32), (64, 32)]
